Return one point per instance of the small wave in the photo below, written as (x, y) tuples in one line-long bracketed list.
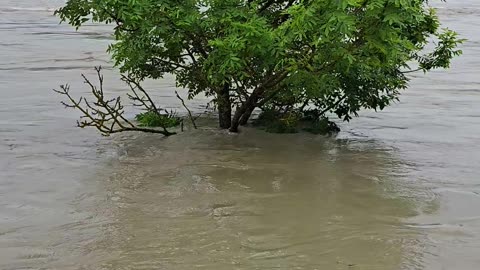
[(92, 35), (32, 9), (10, 44), (50, 68), (389, 127), (453, 11)]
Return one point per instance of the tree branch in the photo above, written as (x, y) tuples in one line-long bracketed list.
[(106, 115), (333, 105), (188, 110)]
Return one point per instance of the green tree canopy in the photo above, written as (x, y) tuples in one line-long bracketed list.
[(322, 56)]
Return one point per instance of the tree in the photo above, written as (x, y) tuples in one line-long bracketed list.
[(314, 57)]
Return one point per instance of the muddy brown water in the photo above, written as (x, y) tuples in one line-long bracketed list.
[(399, 189)]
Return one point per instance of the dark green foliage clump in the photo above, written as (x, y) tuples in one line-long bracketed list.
[(153, 119), (322, 126), (295, 120), (315, 122), (275, 122)]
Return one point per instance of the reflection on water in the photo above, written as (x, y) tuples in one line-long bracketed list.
[(396, 190), (251, 201)]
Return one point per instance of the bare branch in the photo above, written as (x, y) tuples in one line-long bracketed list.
[(106, 115), (144, 100), (188, 110)]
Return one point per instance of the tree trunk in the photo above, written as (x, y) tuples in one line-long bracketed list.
[(224, 107), (246, 116), (243, 113), (246, 107), (236, 118)]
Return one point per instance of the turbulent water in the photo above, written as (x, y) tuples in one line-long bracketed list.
[(399, 189)]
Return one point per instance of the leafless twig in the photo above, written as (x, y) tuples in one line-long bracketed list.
[(106, 115), (192, 119), (140, 96)]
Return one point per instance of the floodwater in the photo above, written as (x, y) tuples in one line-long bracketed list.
[(399, 189)]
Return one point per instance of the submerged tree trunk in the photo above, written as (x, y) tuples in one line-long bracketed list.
[(224, 107), (246, 116), (236, 118), (244, 111)]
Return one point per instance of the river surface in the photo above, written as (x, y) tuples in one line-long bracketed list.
[(398, 189)]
